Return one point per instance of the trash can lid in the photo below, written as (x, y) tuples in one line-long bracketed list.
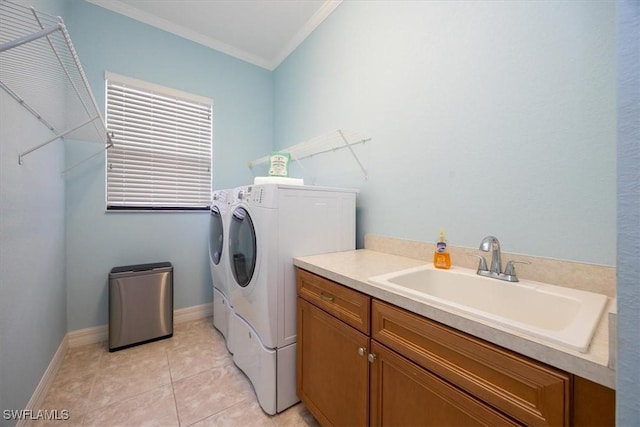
[(140, 267)]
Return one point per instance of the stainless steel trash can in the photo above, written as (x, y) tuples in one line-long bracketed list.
[(140, 304)]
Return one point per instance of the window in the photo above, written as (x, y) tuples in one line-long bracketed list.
[(161, 158)]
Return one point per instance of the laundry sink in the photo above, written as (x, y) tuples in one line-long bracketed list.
[(562, 315)]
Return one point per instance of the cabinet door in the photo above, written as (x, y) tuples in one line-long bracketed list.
[(333, 371), (404, 394)]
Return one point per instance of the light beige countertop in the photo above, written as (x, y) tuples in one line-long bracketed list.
[(353, 268)]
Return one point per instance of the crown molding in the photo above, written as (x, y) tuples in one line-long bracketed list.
[(313, 23), (184, 32), (270, 64)]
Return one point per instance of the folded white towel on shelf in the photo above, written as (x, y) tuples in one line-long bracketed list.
[(277, 180)]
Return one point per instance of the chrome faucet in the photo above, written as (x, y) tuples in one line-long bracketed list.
[(491, 243)]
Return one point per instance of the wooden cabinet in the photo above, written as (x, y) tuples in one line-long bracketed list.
[(529, 392), (362, 361), (332, 367), (349, 306), (405, 394), (592, 404), (332, 371)]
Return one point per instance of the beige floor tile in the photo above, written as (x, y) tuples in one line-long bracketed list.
[(72, 421), (70, 393), (190, 333), (125, 377), (245, 413), (152, 408), (192, 324), (80, 360), (296, 416), (189, 377), (133, 355), (193, 327), (209, 392), (186, 361)]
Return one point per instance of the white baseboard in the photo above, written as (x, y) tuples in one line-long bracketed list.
[(38, 396), (96, 334), (194, 312), (86, 336)]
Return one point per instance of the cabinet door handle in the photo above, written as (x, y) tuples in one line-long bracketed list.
[(371, 357), (326, 297), (362, 351)]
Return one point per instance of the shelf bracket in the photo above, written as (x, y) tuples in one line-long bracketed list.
[(364, 171), (58, 136), (109, 145), (30, 37)]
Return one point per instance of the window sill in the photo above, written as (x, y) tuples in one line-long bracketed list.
[(146, 209)]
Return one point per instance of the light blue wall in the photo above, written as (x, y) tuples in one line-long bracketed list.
[(628, 403), (486, 118), (33, 307), (98, 241)]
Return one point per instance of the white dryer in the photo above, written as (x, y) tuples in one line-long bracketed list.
[(219, 265), (270, 225)]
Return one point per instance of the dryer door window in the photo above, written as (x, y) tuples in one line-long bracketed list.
[(242, 246), (216, 235)]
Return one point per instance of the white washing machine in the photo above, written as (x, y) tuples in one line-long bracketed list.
[(218, 259), (270, 225)]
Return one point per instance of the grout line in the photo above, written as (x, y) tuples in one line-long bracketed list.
[(173, 390), (88, 399), (103, 352)]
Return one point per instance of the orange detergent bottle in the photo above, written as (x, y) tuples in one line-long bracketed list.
[(441, 257)]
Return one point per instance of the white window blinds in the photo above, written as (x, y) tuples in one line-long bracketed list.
[(161, 157)]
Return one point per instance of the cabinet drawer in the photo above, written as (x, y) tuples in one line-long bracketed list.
[(404, 394), (348, 305), (528, 391)]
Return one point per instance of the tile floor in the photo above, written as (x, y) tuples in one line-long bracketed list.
[(186, 380)]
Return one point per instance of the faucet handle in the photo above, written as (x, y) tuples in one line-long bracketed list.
[(482, 264), (510, 269)]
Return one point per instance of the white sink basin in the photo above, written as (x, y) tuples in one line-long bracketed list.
[(565, 316)]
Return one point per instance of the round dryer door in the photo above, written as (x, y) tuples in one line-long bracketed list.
[(242, 246), (216, 235)]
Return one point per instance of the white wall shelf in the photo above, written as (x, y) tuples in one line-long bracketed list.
[(36, 52), (333, 141)]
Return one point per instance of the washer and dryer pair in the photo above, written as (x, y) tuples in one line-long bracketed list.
[(269, 225)]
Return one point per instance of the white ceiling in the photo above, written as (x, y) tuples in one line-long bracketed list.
[(262, 32)]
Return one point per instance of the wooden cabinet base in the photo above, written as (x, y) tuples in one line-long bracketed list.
[(363, 362), (593, 404)]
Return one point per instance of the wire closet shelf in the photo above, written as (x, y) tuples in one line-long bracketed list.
[(332, 141), (36, 52)]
